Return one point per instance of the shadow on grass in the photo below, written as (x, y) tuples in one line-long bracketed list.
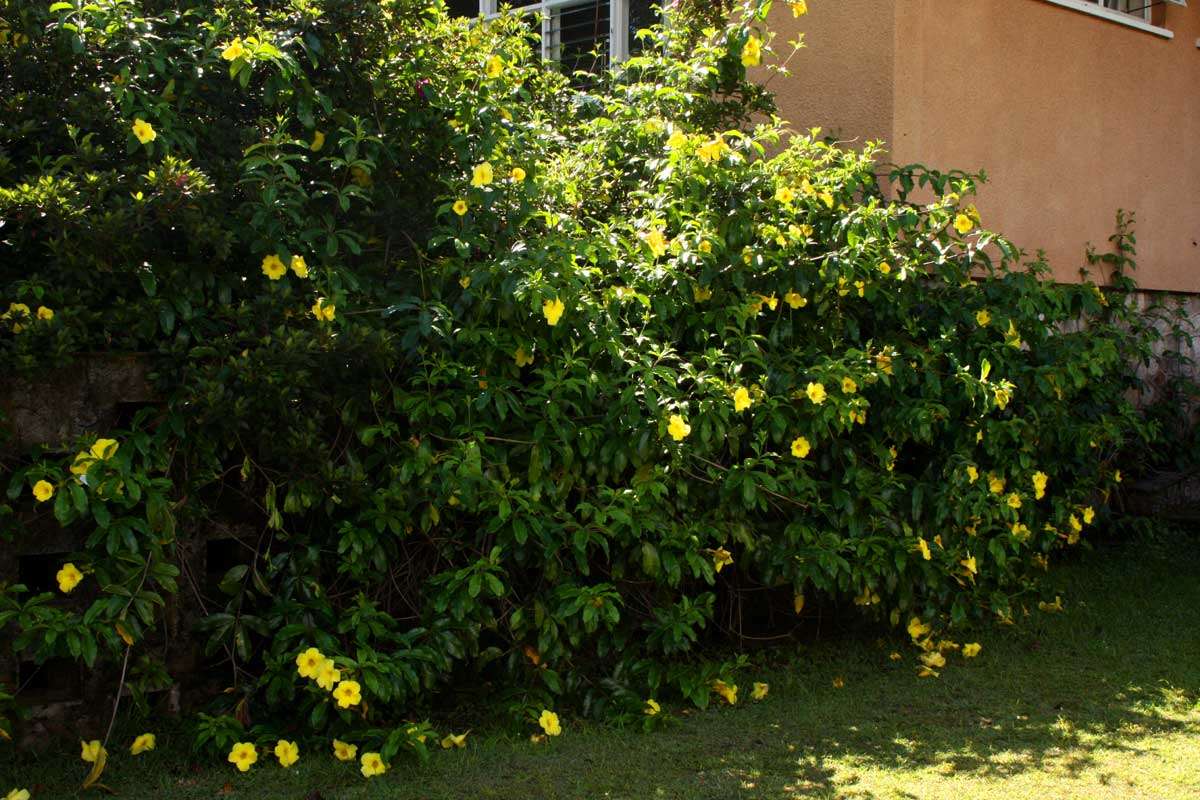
[(1063, 694), (1055, 699)]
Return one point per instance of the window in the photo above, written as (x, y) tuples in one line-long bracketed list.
[(579, 34), (1145, 15), (1138, 8)]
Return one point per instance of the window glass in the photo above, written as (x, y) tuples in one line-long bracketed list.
[(463, 8), (581, 38)]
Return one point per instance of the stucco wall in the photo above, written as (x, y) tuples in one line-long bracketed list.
[(842, 80), (1071, 116)]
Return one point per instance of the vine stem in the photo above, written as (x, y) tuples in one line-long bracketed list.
[(112, 721), (117, 700)]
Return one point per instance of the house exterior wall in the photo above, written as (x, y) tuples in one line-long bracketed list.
[(843, 78), (1070, 115)]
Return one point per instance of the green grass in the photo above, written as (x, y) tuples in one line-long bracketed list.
[(1102, 701)]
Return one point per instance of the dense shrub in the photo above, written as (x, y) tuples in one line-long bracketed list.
[(512, 378)]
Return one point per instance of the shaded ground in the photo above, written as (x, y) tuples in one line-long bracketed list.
[(1101, 701)]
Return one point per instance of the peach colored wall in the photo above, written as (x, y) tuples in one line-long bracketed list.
[(842, 79), (1070, 115)]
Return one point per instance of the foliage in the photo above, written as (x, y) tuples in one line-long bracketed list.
[(508, 378)]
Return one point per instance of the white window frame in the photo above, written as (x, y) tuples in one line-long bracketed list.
[(1133, 19), (618, 23)]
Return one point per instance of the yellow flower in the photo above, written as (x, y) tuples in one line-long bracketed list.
[(1117, 476), (798, 602), (741, 399), (45, 314), (933, 660), (923, 548), (323, 310), (1039, 484), (1020, 531), (784, 194), (705, 246), (517, 174), (759, 691), (983, 318), (1002, 398), (800, 447), (963, 224), (549, 722), (460, 207), (299, 266), (1076, 525), (752, 52), (917, 629), (839, 682), (971, 650), (1012, 336), (969, 565), (234, 50), (273, 267), (90, 751), (82, 463), (18, 794), (1014, 500), (652, 708), (729, 693), (287, 752), (309, 663), (494, 66), (344, 751), (816, 393), (678, 428), (861, 286), (927, 672), (677, 139), (553, 310), (657, 242), (318, 141), (721, 558), (859, 417), (68, 578), (328, 675), (701, 293), (144, 131), (43, 491), (104, 448), (142, 744), (995, 483), (711, 151), (1051, 608), (347, 694), (452, 740), (884, 360), (771, 301), (849, 386), (885, 268), (522, 358), (482, 175), (972, 473), (1089, 514), (795, 299), (372, 765), (799, 8), (826, 198)]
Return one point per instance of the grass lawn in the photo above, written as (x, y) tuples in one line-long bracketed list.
[(1101, 701)]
